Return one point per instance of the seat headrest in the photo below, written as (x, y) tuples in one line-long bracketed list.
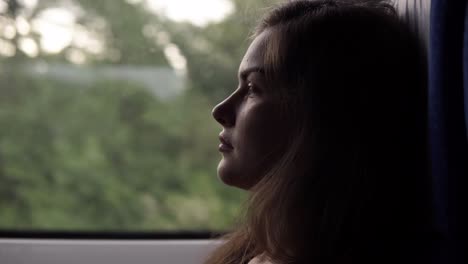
[(417, 14)]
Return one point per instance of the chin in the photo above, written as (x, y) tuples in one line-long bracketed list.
[(229, 177)]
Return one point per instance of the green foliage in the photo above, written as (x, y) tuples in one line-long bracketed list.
[(110, 155)]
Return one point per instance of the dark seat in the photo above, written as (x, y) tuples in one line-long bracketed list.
[(441, 24)]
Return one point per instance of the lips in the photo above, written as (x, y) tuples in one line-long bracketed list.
[(225, 143)]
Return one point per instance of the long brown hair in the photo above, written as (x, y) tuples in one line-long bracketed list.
[(353, 182)]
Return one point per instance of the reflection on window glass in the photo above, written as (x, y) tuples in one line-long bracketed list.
[(105, 112)]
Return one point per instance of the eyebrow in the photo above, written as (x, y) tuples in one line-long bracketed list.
[(245, 73)]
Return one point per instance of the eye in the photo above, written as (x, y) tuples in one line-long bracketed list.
[(251, 89)]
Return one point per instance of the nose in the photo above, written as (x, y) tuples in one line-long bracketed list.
[(224, 113)]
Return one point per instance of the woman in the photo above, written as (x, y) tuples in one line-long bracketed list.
[(327, 131)]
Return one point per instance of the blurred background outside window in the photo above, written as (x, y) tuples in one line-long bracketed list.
[(105, 112)]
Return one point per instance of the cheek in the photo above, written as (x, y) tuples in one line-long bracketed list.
[(261, 132), (258, 133)]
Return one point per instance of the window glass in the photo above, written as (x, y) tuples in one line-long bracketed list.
[(105, 112)]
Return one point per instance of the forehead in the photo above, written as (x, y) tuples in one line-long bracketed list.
[(254, 56)]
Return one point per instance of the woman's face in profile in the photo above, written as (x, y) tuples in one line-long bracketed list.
[(252, 131)]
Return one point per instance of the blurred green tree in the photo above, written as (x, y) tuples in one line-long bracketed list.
[(110, 155)]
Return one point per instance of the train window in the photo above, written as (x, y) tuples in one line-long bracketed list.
[(105, 112)]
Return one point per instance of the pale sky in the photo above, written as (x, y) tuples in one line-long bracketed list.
[(58, 28), (198, 12), (57, 25)]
